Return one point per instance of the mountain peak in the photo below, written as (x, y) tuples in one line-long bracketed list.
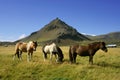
[(56, 30), (58, 22), (57, 19)]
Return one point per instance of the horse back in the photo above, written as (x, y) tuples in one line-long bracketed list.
[(50, 48), (74, 48), (80, 50), (21, 46)]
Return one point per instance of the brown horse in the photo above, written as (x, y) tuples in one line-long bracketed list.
[(25, 47), (89, 50)]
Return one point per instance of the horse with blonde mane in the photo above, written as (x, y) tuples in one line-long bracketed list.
[(52, 49), (25, 47)]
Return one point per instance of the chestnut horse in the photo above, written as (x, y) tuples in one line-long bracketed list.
[(89, 50), (52, 49), (25, 47)]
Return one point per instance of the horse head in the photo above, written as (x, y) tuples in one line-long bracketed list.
[(103, 46), (35, 45), (60, 55), (60, 58), (32, 45)]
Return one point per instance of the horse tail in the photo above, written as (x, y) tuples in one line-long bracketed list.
[(45, 54), (43, 49), (16, 51), (70, 55)]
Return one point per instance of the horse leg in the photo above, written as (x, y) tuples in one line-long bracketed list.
[(71, 58), (28, 57), (70, 55), (74, 57), (45, 56), (56, 57), (15, 55), (31, 56), (51, 55), (91, 60), (20, 55)]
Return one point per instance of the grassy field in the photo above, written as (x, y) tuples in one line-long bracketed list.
[(106, 66)]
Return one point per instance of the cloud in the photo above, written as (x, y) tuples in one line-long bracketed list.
[(22, 36), (89, 34), (12, 38), (7, 39)]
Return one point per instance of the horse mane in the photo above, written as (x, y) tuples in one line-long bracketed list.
[(35, 42), (30, 42), (60, 53), (94, 43), (49, 43)]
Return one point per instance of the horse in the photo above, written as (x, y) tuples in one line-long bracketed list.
[(25, 47), (88, 50), (52, 49)]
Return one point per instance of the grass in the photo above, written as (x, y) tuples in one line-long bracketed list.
[(106, 66)]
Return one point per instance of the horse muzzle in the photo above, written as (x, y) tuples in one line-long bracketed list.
[(34, 49), (106, 50)]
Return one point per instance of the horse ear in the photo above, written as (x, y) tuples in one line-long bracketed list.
[(34, 41)]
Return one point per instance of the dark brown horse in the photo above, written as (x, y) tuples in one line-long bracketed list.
[(89, 50), (25, 47)]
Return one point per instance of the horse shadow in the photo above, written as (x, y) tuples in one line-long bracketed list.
[(105, 64), (101, 64)]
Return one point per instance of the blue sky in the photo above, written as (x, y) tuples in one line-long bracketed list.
[(19, 18)]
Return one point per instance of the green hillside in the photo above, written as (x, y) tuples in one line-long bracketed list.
[(57, 31), (110, 38), (64, 34)]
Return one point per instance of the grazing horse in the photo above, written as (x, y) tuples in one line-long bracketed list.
[(25, 47), (89, 50), (52, 49)]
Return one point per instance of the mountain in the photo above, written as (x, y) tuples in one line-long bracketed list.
[(109, 36), (57, 31)]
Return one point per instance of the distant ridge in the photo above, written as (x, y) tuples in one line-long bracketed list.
[(58, 31), (109, 36)]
